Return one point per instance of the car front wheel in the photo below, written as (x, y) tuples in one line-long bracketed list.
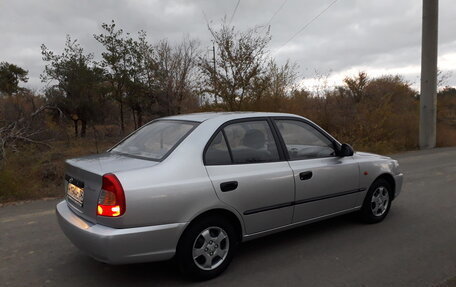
[(206, 248), (377, 202)]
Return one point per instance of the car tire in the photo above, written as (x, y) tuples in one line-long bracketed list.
[(206, 248), (377, 202)]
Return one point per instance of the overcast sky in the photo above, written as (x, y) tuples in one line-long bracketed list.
[(375, 36)]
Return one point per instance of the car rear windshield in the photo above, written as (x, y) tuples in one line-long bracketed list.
[(155, 140)]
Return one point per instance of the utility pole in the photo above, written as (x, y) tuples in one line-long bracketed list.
[(214, 75), (428, 97)]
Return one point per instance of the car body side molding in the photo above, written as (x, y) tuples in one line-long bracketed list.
[(287, 204)]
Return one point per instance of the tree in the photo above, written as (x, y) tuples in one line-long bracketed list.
[(240, 62), (22, 130), (142, 85), (446, 106), (10, 77), (148, 79), (273, 91), (447, 92), (76, 77), (356, 86), (177, 76), (162, 78), (117, 62)]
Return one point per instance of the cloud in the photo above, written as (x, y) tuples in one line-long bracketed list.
[(374, 36)]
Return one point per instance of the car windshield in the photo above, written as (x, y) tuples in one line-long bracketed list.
[(155, 140)]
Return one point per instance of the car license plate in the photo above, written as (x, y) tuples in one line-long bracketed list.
[(75, 193)]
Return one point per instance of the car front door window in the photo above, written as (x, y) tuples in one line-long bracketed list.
[(303, 141)]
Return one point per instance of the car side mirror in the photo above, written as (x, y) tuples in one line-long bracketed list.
[(345, 150)]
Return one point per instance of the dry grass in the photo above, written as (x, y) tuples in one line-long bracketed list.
[(446, 134), (37, 172)]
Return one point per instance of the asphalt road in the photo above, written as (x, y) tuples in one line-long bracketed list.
[(414, 246)]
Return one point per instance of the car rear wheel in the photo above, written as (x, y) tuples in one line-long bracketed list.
[(206, 248), (377, 202)]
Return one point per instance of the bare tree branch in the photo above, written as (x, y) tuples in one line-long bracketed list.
[(20, 130)]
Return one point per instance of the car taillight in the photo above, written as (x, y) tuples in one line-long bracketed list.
[(112, 198)]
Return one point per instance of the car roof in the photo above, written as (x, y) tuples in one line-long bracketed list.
[(201, 117)]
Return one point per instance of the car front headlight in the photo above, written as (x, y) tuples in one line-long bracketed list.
[(396, 168)]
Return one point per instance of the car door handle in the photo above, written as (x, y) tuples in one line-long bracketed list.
[(228, 186), (305, 175)]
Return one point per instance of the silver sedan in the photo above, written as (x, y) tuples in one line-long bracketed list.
[(195, 186)]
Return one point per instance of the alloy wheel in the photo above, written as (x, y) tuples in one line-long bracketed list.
[(379, 201), (210, 248)]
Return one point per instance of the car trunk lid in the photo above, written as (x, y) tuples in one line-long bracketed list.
[(86, 173)]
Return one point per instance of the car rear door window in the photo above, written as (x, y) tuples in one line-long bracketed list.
[(251, 142), (303, 141)]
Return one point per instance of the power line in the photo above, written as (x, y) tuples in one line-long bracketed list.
[(234, 12), (276, 12), (306, 25)]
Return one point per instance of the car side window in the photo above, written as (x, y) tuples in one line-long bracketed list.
[(303, 141), (217, 153), (251, 142)]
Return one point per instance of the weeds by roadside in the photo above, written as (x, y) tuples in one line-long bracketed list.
[(37, 172)]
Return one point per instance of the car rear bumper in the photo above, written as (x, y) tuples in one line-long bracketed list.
[(119, 246), (399, 179)]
